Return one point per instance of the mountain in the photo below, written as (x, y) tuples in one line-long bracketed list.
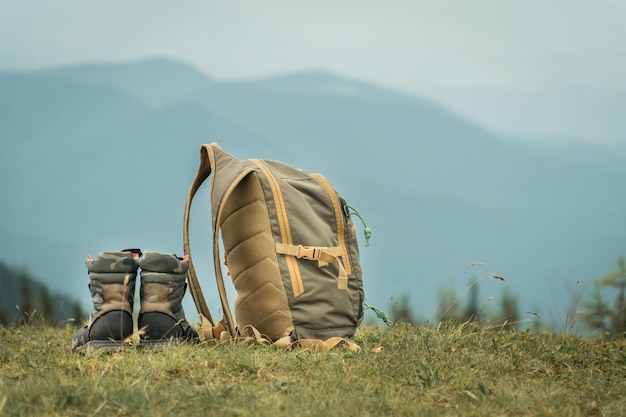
[(560, 114), (155, 81), (100, 157)]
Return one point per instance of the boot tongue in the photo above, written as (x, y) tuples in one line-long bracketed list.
[(163, 263), (135, 251), (113, 262)]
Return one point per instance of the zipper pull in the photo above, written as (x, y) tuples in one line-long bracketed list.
[(348, 209), (380, 314)]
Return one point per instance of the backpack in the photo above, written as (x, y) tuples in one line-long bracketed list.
[(290, 248)]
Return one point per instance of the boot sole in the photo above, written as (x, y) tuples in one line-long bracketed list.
[(103, 346), (163, 343)]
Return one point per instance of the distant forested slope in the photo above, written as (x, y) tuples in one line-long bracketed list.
[(25, 300)]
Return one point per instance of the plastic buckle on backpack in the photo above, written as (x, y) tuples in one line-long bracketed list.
[(309, 253)]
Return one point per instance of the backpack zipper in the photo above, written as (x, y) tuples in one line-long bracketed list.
[(348, 209), (341, 232), (285, 230)]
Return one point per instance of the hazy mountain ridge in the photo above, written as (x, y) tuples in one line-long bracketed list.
[(105, 163), (155, 81), (555, 113)]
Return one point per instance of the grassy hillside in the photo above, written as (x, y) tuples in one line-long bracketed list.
[(421, 371)]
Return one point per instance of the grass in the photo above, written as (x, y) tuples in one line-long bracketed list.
[(451, 370)]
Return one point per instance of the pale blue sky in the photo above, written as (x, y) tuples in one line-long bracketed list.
[(482, 57)]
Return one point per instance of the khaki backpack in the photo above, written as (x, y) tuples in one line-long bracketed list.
[(290, 248)]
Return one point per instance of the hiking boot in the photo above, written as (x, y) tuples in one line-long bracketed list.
[(112, 285), (161, 318)]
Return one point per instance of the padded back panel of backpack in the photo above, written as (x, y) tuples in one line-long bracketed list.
[(252, 261)]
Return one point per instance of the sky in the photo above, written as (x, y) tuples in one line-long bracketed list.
[(531, 69)]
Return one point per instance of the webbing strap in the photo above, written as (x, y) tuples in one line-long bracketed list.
[(250, 333), (208, 166), (207, 160), (214, 332), (282, 217), (323, 256), (341, 235), (327, 344)]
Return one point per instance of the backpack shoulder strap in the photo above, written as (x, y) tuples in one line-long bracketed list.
[(213, 160), (207, 161)]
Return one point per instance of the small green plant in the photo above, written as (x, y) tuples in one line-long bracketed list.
[(429, 376)]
